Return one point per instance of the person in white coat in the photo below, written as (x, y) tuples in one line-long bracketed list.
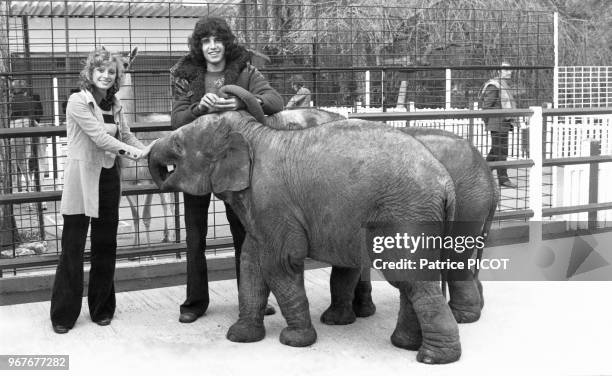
[(97, 135)]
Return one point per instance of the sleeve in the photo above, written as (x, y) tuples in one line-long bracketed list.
[(299, 96), (183, 111), (81, 114), (294, 100), (271, 100), (490, 99)]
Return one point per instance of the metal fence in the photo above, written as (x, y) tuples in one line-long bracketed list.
[(364, 58)]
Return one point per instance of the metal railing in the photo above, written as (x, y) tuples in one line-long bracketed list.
[(535, 211)]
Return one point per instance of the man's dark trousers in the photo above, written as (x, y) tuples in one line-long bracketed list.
[(196, 224)]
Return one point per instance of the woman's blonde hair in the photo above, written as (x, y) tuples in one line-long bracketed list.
[(97, 58)]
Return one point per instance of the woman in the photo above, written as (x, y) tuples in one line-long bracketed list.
[(97, 134)]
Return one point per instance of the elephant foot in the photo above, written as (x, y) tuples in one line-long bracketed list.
[(246, 331), (479, 285), (439, 329), (298, 337), (465, 315), (465, 302), (439, 355), (338, 315), (364, 307), (406, 340)]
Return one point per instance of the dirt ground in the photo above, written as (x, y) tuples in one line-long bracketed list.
[(556, 328)]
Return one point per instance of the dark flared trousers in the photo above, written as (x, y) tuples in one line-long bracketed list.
[(68, 284), (499, 152), (196, 225)]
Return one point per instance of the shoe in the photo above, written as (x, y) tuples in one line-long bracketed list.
[(104, 321), (508, 184), (60, 329), (188, 317), (269, 310)]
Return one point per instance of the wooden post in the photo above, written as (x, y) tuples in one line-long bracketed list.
[(448, 89), (595, 149), (401, 97), (471, 125), (535, 176), (367, 89)]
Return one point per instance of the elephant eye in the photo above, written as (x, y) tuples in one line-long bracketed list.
[(176, 145)]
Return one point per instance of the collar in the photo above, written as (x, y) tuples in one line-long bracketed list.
[(90, 99)]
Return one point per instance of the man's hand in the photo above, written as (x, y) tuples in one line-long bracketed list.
[(214, 103)]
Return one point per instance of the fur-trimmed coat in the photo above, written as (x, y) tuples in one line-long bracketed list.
[(189, 86)]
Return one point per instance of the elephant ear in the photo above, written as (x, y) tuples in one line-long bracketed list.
[(232, 171)]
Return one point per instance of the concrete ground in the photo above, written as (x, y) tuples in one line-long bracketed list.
[(556, 328)]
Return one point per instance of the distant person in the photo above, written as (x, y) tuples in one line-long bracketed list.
[(302, 94), (25, 111), (497, 94), (97, 135)]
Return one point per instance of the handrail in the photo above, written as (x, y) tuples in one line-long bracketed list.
[(374, 116), (450, 114), (395, 68), (56, 195), (61, 130), (577, 111)]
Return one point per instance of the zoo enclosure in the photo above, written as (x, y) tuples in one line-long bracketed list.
[(375, 57)]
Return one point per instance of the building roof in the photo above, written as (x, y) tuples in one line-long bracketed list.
[(113, 8)]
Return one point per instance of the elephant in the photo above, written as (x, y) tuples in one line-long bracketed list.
[(477, 195), (306, 193)]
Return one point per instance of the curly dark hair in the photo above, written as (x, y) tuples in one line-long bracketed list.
[(217, 27)]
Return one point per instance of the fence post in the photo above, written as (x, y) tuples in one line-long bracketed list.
[(410, 109), (367, 89), (595, 149), (471, 126), (448, 89), (536, 122)]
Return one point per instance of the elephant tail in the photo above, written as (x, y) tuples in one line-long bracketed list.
[(450, 207), (489, 220), (450, 204)]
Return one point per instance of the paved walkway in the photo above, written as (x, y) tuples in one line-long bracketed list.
[(557, 328)]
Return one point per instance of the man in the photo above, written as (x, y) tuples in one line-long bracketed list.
[(302, 95), (497, 93), (25, 111), (215, 59)]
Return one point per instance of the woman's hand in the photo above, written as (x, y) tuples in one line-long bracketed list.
[(145, 152)]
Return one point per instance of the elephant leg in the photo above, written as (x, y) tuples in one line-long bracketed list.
[(252, 297), (363, 306), (341, 283), (288, 288), (465, 297), (438, 326), (407, 333)]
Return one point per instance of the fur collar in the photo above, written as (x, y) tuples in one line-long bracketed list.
[(195, 72)]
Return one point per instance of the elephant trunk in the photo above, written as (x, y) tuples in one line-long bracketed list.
[(158, 162)]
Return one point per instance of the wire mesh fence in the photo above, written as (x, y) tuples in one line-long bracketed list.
[(379, 57)]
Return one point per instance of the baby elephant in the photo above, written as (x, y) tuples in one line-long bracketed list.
[(307, 193)]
